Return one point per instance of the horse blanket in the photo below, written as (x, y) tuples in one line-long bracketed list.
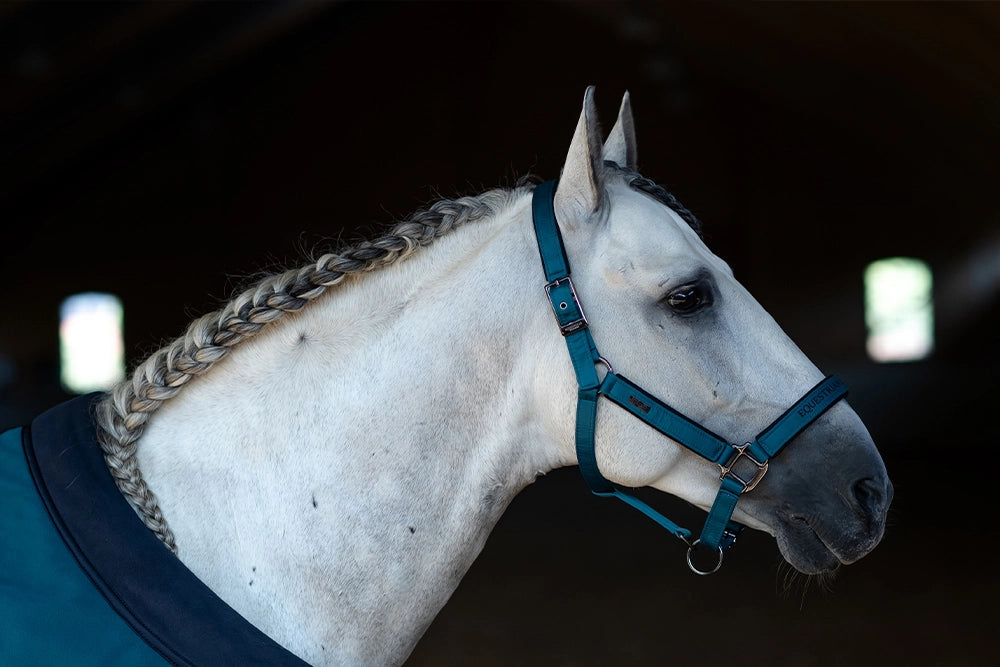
[(82, 581)]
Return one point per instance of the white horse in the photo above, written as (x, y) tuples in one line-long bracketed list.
[(331, 450)]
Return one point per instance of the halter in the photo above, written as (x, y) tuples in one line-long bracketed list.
[(741, 466)]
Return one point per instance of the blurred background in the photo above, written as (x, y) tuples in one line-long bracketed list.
[(164, 152)]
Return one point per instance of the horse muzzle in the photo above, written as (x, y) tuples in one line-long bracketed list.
[(825, 515)]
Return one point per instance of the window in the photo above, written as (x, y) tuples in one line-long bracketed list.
[(91, 350), (899, 309)]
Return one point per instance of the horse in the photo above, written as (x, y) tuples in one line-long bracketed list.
[(327, 454)]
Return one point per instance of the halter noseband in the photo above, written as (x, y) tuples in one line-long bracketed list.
[(720, 531)]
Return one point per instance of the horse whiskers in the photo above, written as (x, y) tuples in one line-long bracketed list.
[(791, 581)]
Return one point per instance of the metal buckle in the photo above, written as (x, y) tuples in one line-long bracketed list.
[(573, 326), (727, 469)]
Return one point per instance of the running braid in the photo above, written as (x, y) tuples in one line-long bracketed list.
[(122, 414)]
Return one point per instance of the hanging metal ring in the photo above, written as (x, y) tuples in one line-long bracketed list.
[(694, 568)]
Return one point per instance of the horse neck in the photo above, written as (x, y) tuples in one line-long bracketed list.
[(379, 432)]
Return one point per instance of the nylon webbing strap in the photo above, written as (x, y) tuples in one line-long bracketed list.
[(582, 350), (665, 419), (673, 528), (717, 525), (550, 245), (817, 400), (586, 423)]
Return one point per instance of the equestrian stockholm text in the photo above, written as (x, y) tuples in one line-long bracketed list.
[(816, 401)]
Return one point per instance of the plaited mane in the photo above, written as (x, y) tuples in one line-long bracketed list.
[(122, 415)]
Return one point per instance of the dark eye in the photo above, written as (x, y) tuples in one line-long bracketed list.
[(689, 299)]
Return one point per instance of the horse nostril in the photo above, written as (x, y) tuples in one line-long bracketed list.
[(872, 497)]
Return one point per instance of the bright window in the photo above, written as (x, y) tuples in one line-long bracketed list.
[(91, 350), (899, 309)]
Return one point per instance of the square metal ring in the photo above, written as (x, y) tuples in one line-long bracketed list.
[(741, 452)]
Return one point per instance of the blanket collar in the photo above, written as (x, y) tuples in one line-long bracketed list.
[(164, 603)]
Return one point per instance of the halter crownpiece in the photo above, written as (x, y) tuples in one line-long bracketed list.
[(741, 466)]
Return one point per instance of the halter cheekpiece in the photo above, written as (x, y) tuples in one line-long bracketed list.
[(741, 466)]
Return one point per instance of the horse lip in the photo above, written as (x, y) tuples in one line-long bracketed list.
[(822, 539), (801, 530), (804, 548)]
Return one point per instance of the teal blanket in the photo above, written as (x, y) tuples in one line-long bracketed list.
[(50, 612), (82, 581)]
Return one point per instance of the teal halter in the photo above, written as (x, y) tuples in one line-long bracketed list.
[(720, 531)]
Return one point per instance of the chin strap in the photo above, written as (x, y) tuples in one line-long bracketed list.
[(741, 466)]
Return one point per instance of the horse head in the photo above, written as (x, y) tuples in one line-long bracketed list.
[(668, 313)]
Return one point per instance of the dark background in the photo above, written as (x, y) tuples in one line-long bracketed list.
[(164, 151)]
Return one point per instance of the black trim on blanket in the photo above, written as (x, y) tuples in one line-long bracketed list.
[(161, 600)]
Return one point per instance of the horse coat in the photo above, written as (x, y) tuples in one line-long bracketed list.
[(83, 581)]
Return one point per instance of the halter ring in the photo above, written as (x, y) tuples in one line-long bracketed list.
[(694, 569)]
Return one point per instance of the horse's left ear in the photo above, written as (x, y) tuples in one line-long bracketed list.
[(620, 146), (581, 185)]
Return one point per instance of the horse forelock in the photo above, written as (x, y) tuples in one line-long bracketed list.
[(640, 183)]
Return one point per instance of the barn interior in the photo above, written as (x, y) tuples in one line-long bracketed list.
[(164, 152)]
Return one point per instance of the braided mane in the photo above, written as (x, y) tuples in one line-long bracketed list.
[(122, 414)]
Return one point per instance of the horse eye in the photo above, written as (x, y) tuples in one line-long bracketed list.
[(689, 299)]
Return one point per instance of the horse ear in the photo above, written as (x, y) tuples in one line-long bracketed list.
[(620, 146), (581, 186)]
